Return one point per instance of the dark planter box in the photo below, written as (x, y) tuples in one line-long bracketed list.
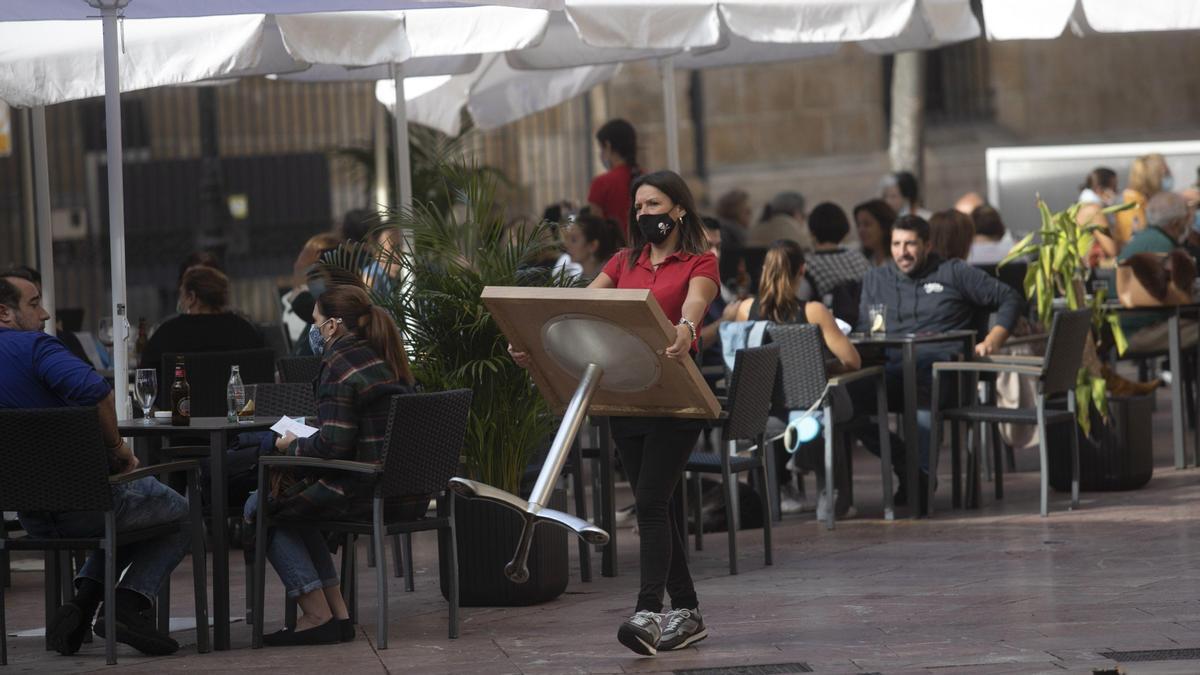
[(487, 537), (1119, 455)]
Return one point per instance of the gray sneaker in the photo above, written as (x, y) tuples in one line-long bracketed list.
[(683, 627), (641, 633)]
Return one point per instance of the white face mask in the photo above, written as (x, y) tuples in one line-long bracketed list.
[(1168, 183)]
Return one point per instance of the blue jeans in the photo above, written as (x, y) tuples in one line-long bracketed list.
[(299, 555), (139, 504)]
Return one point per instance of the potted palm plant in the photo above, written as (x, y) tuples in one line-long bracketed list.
[(458, 243), (1114, 432)]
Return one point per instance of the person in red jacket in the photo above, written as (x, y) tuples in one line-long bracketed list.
[(609, 195)]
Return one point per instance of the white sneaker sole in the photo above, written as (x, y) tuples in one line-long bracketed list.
[(693, 639)]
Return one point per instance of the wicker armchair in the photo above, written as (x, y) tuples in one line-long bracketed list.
[(55, 460)]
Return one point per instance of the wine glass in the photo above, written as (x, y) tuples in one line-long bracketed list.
[(145, 385)]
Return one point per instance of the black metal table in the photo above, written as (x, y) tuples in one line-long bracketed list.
[(217, 429), (908, 342)]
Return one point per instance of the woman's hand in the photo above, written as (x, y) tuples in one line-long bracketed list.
[(683, 342), (284, 441), (520, 358)]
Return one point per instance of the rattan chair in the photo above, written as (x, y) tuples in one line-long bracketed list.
[(299, 368), (804, 382), (55, 460), (745, 419), (293, 399), (1056, 375), (425, 435)]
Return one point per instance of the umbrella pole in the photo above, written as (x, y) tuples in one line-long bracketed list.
[(116, 200), (403, 165), (41, 198), (670, 111)]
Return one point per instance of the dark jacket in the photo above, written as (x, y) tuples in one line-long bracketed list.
[(354, 387), (942, 295)]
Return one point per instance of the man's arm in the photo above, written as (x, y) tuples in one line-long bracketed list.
[(107, 408)]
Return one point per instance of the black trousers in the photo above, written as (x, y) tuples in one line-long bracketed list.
[(654, 454)]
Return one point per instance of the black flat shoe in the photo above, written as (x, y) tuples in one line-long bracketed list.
[(68, 628), (348, 630), (327, 633)]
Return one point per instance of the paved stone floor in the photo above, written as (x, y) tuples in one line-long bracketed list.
[(997, 590)]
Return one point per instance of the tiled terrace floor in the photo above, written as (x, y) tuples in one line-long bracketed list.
[(998, 590)]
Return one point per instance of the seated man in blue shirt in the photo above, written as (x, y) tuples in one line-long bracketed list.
[(39, 372)]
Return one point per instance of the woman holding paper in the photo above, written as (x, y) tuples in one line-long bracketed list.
[(362, 365), (669, 255)]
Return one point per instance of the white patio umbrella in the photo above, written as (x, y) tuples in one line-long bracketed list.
[(716, 33), (350, 39), (1048, 19)]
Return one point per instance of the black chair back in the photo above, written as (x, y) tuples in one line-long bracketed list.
[(299, 368), (208, 375), (750, 389), (274, 338), (801, 364), (425, 436), (53, 459), (1064, 350), (293, 399)]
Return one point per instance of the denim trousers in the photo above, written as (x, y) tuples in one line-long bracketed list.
[(299, 555), (139, 504), (654, 463)]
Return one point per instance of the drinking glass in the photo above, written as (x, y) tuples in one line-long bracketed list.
[(877, 314), (246, 412), (145, 385)]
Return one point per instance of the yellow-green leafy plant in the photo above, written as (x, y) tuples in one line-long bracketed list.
[(1057, 268)]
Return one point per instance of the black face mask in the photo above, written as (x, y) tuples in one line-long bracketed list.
[(655, 227)]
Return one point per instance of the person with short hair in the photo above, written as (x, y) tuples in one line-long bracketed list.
[(992, 239), (831, 267), (902, 192), (873, 219), (1168, 219), (950, 234), (925, 293), (783, 217), (39, 372), (609, 195), (204, 323)]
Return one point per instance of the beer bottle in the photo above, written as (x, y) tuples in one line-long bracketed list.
[(181, 396)]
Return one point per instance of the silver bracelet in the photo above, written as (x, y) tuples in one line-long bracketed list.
[(691, 326)]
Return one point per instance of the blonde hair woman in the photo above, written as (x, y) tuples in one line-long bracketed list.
[(1148, 176)]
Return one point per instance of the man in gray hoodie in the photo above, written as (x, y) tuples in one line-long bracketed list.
[(924, 293)]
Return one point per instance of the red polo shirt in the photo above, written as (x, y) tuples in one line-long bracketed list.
[(610, 191), (668, 283)]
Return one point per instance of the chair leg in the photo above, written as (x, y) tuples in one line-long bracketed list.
[(397, 557), (452, 564), (199, 564), (731, 495), (3, 628), (347, 575), (885, 449), (289, 612), (1071, 406), (698, 511), (352, 601), (771, 482), (370, 557), (52, 580), (110, 587), (766, 503), (381, 577), (577, 487), (956, 496), (260, 562), (406, 541), (1041, 432), (997, 461), (830, 499)]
